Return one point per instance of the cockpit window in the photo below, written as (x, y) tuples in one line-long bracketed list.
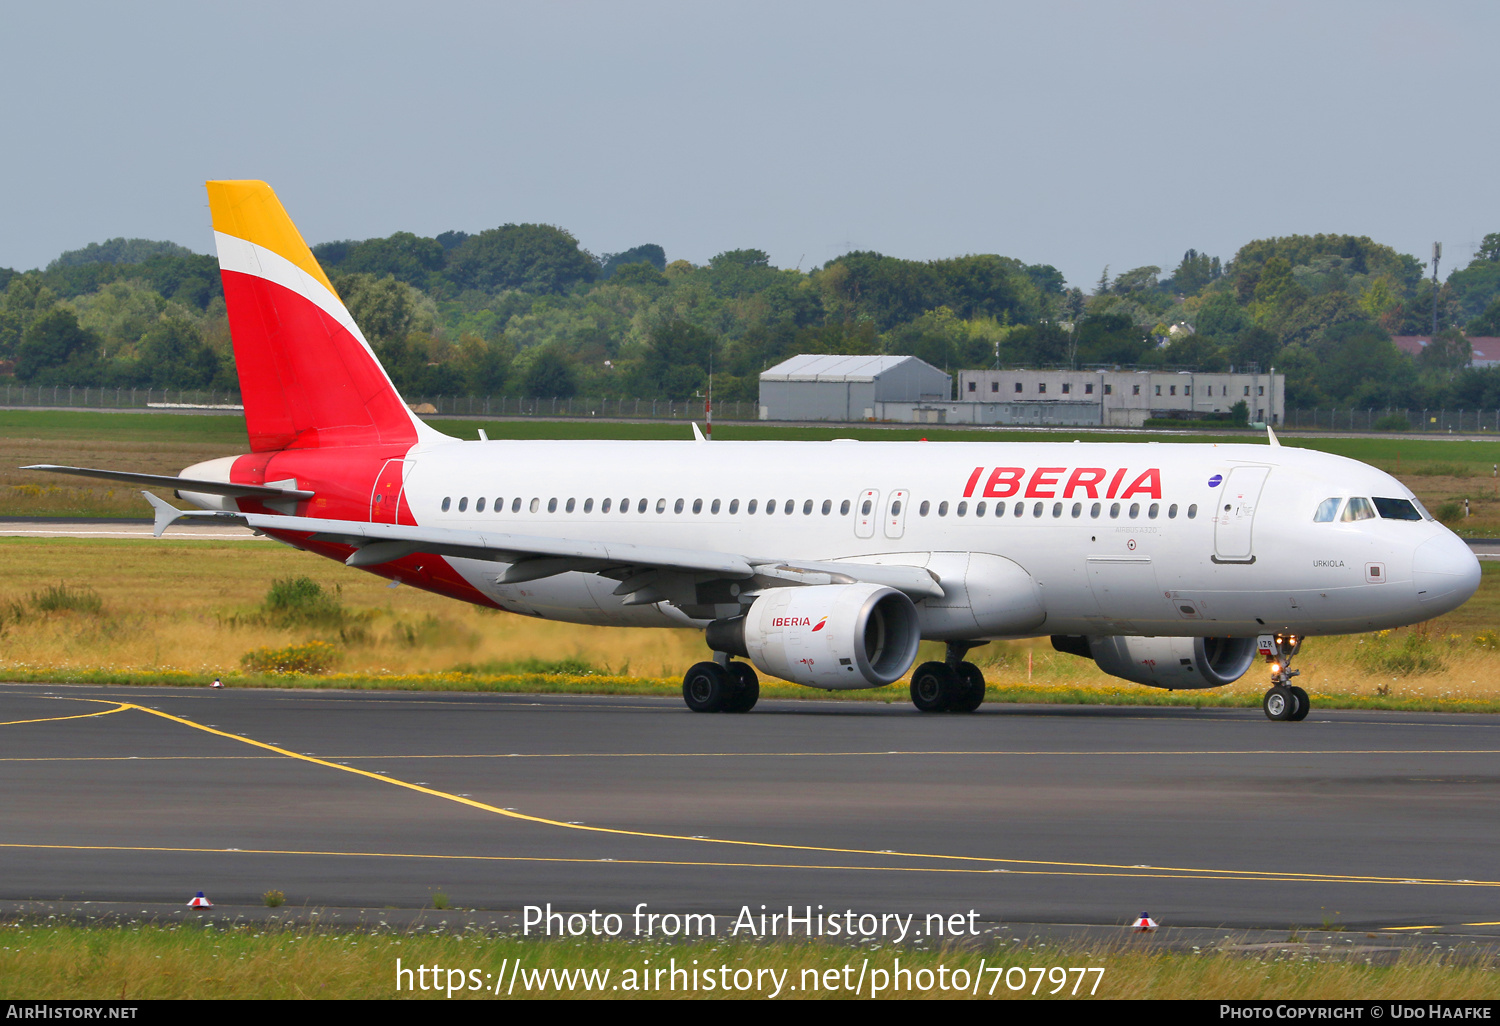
[(1327, 510), (1358, 509), (1396, 509)]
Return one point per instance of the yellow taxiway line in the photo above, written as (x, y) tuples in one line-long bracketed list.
[(1045, 867)]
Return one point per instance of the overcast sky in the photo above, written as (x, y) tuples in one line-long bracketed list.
[(1075, 134)]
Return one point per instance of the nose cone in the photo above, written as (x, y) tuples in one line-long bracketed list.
[(1445, 574)]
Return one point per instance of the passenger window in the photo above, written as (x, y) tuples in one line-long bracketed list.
[(1036, 510), (999, 509), (536, 504), (1135, 510), (770, 506), (962, 509), (676, 508), (734, 506), (751, 508), (844, 508), (479, 505), (588, 505), (1094, 510), (942, 509), (790, 505), (569, 507), (864, 510), (499, 505), (979, 509), (1327, 510), (640, 507), (895, 508), (1020, 510), (515, 504), (1172, 511), (447, 501), (1056, 509), (1192, 511), (661, 506), (551, 505), (827, 506), (1114, 510), (807, 508), (1396, 509), (1077, 510), (923, 509), (604, 506), (697, 506), (1155, 508), (714, 509), (463, 504), (1358, 509)]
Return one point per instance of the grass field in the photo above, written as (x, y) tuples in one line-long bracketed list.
[(1442, 473), (145, 962), (140, 611)]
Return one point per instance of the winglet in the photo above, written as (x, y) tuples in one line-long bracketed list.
[(697, 435), (166, 513), (1272, 436)]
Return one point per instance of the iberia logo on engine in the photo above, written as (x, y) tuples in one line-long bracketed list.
[(791, 621)]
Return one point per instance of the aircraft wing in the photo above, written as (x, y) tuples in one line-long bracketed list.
[(531, 557)]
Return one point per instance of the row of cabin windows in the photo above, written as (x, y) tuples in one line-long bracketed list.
[(1088, 388), (789, 507), (642, 505), (1038, 509)]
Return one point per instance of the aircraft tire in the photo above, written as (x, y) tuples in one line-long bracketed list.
[(706, 688), (746, 688), (1304, 704), (935, 686), (1279, 703), (972, 694)]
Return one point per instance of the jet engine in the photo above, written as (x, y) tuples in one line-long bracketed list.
[(825, 636), (1173, 663)]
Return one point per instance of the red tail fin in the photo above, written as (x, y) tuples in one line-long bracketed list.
[(308, 377)]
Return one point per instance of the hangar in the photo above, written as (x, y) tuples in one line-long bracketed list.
[(847, 388)]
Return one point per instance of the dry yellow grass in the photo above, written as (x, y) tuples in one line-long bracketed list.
[(173, 605)]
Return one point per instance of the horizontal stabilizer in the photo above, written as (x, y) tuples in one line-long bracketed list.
[(186, 484)]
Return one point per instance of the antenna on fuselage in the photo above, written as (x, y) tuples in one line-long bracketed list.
[(1271, 436)]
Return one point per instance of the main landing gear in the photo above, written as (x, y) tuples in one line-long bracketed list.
[(1284, 701), (721, 687), (953, 685)]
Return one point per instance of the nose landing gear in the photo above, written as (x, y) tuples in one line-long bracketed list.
[(1284, 701)]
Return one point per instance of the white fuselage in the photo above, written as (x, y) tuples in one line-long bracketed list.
[(1149, 539)]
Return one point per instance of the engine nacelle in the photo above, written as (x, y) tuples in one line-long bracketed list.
[(825, 636), (1179, 664)]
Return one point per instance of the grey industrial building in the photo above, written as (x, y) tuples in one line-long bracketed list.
[(904, 389), (848, 388)]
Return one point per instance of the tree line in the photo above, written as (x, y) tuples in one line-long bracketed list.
[(526, 310)]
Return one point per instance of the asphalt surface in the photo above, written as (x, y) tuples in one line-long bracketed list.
[(1211, 819)]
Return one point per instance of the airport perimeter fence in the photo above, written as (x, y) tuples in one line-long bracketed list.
[(71, 397)]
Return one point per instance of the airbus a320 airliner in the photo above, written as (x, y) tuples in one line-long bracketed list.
[(823, 563)]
